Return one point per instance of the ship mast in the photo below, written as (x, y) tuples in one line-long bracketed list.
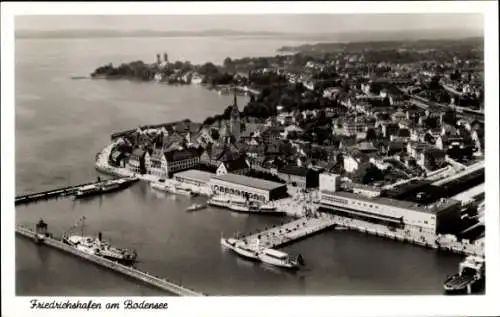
[(83, 223)]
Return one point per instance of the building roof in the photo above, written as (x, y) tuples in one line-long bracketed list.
[(179, 155), (236, 164), (196, 175), (434, 152), (432, 208), (366, 146), (292, 169), (248, 181), (137, 153)]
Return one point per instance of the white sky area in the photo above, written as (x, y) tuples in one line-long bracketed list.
[(305, 23)]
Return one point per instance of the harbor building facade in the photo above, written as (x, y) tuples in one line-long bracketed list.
[(194, 179), (247, 187), (164, 164), (438, 217)]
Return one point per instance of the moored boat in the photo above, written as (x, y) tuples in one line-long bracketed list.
[(280, 259), (194, 207), (182, 191), (99, 247), (244, 206), (469, 279), (240, 248), (104, 187), (267, 208), (218, 202), (161, 185)]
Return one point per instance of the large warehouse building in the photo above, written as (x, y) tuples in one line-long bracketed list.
[(247, 187), (439, 217)]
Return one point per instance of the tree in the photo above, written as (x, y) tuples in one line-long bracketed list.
[(214, 133), (208, 69), (371, 134), (372, 174), (209, 121), (228, 63)]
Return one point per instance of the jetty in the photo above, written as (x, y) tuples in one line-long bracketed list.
[(131, 272), (61, 192), (301, 228), (293, 231)]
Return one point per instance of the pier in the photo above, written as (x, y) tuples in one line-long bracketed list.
[(136, 274), (59, 192), (289, 232), (304, 227)]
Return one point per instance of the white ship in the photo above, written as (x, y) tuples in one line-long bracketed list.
[(196, 79), (470, 277), (99, 247), (240, 248), (280, 259), (234, 204), (182, 191), (161, 185), (218, 202), (267, 208)]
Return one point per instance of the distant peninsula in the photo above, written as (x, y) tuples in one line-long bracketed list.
[(368, 35)]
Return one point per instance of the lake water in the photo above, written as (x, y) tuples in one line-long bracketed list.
[(62, 123)]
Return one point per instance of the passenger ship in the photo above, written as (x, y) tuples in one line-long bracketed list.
[(99, 247), (281, 259), (104, 187), (161, 185), (239, 248), (243, 206), (182, 191), (469, 279)]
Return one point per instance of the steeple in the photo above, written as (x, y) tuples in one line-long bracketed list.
[(235, 112)]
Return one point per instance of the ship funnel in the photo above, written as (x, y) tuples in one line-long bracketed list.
[(300, 259)]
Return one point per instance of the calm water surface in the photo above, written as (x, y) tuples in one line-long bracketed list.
[(62, 123)]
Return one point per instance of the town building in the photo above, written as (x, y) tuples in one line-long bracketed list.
[(234, 166), (299, 176), (247, 187), (137, 161), (432, 219), (194, 178)]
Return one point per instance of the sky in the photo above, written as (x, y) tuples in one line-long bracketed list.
[(304, 23)]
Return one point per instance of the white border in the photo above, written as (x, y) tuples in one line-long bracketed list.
[(267, 306)]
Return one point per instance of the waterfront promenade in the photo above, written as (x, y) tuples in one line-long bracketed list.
[(298, 206), (278, 236), (301, 228), (144, 277)]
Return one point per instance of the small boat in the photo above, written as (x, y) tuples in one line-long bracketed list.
[(469, 279), (194, 207), (280, 259)]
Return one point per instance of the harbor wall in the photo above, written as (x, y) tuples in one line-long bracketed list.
[(306, 226), (149, 279), (54, 193)]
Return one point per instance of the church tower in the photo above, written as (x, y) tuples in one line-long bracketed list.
[(234, 122)]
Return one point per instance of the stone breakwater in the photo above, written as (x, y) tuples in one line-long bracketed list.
[(144, 277)]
